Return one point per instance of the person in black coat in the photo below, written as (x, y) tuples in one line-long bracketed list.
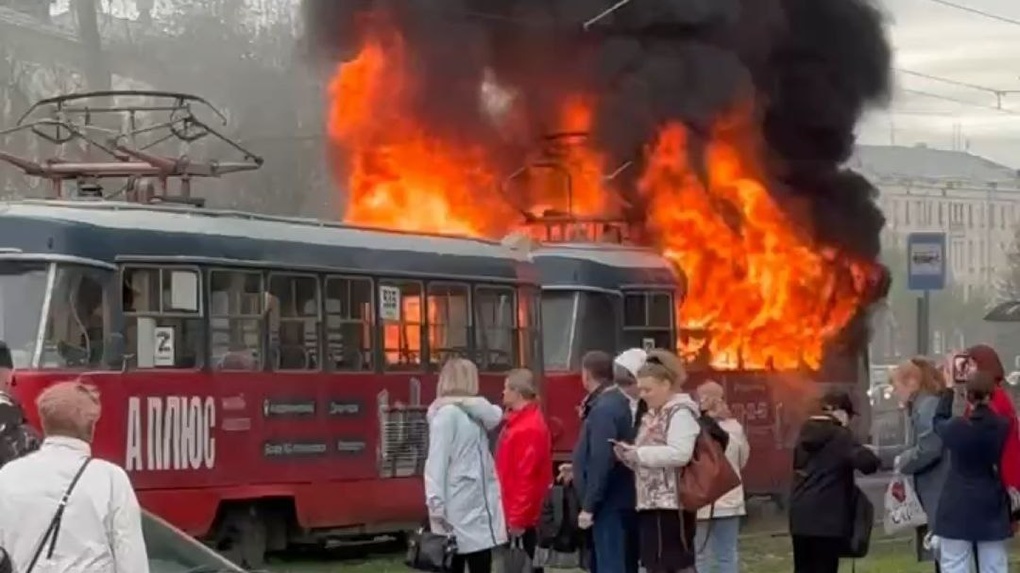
[(973, 510), (821, 503), (605, 486)]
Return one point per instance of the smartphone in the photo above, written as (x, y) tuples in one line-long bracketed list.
[(961, 364)]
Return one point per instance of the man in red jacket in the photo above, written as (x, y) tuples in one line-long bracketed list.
[(523, 458)]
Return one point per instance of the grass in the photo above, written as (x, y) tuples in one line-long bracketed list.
[(762, 551)]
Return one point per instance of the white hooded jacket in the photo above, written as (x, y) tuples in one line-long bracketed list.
[(738, 450), (461, 487)]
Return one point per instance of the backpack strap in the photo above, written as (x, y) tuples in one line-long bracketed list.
[(54, 528)]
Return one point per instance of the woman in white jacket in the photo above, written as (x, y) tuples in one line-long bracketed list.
[(461, 490), (719, 524)]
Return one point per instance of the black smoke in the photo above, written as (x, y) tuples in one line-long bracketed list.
[(811, 67)]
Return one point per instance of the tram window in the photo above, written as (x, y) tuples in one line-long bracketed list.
[(449, 317), (293, 323), (237, 309), (559, 310), (648, 319), (349, 323), (495, 328), (529, 329), (22, 295), (597, 322), (164, 326), (400, 308), (79, 318)]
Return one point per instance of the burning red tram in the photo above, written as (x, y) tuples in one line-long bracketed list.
[(264, 379)]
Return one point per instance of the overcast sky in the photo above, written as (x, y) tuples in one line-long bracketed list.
[(938, 40)]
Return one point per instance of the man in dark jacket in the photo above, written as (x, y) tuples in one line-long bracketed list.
[(821, 503), (17, 438), (605, 487)]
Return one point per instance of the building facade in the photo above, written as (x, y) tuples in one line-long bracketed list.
[(976, 202)]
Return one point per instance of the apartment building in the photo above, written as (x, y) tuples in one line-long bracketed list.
[(976, 202)]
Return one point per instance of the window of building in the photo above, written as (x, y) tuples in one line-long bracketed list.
[(991, 216), (970, 215), (495, 327), (400, 308), (942, 213), (906, 212), (237, 312), (350, 323), (293, 322), (449, 320), (79, 318), (163, 317)]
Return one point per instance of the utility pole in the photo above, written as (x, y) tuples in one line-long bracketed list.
[(97, 72)]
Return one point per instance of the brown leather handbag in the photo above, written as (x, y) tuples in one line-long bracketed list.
[(708, 476)]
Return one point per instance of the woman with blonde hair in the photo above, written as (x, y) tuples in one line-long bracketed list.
[(60, 509), (461, 489), (917, 383), (664, 444), (719, 524)]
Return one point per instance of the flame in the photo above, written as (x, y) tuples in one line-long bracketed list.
[(398, 175), (762, 293)]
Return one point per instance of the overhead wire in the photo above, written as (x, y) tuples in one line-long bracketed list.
[(950, 99), (978, 12)]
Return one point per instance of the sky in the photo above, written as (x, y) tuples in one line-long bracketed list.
[(928, 38), (937, 40)]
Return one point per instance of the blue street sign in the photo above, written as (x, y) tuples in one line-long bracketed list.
[(926, 261)]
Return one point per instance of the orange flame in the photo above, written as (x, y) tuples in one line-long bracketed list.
[(762, 293)]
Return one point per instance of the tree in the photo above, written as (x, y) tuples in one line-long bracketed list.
[(243, 57)]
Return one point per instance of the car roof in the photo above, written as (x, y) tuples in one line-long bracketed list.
[(111, 232)]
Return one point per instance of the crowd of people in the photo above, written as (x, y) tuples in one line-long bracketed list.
[(964, 458), (620, 494), (621, 489)]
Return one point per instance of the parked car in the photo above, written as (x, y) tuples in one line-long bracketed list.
[(173, 551)]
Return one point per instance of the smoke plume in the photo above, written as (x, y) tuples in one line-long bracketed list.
[(809, 68)]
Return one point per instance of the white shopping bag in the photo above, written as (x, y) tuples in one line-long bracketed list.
[(902, 507)]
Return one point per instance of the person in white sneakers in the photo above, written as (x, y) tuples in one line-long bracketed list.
[(719, 524)]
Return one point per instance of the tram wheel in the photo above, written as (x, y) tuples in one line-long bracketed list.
[(243, 537)]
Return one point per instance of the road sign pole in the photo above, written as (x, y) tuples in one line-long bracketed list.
[(926, 272), (924, 323)]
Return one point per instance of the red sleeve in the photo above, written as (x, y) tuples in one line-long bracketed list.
[(526, 477), (1002, 405)]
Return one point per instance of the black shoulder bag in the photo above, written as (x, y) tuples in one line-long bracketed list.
[(54, 528)]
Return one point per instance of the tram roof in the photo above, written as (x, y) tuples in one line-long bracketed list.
[(113, 232), (604, 266)]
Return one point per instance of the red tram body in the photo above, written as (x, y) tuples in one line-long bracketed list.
[(264, 380)]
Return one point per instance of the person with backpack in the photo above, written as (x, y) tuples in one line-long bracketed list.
[(665, 443), (973, 519), (822, 501), (17, 437)]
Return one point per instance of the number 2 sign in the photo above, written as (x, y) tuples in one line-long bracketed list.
[(163, 345)]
